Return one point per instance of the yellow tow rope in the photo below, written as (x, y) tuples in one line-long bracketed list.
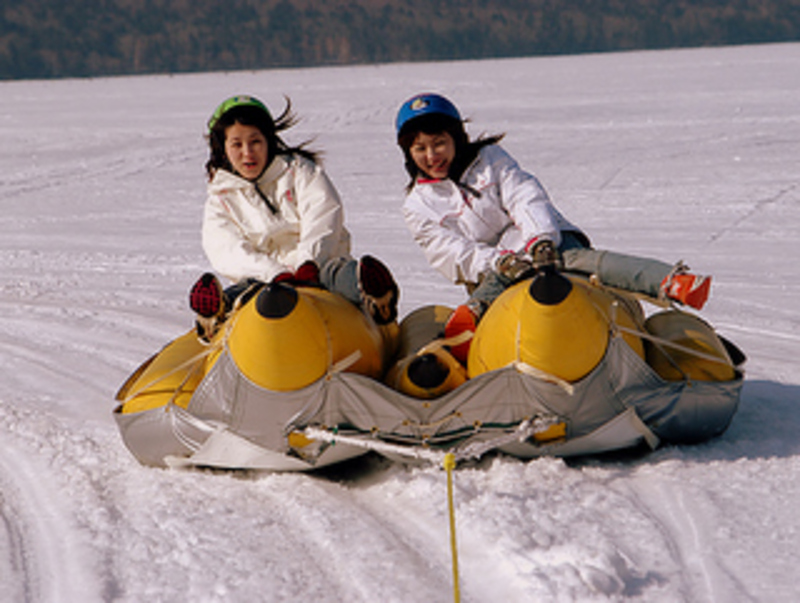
[(450, 464)]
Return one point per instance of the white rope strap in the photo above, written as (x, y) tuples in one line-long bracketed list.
[(677, 346), (438, 344), (187, 363), (532, 371), (345, 363), (324, 435), (527, 429)]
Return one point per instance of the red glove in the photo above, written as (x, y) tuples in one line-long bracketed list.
[(284, 277), (307, 273)]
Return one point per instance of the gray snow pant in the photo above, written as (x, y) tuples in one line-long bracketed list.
[(339, 275), (632, 273)]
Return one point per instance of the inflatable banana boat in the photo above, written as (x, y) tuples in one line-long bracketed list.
[(299, 378)]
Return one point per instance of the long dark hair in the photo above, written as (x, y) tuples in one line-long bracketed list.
[(436, 123), (249, 115)]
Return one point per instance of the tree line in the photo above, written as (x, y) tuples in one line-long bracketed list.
[(82, 38)]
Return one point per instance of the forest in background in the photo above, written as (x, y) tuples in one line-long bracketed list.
[(86, 38)]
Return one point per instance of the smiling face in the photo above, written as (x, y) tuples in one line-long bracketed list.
[(433, 154), (246, 149)]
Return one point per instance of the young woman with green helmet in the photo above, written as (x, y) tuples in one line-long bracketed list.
[(272, 214)]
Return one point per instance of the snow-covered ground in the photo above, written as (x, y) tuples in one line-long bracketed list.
[(689, 154)]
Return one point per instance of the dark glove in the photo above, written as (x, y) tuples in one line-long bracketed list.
[(513, 266), (544, 253)]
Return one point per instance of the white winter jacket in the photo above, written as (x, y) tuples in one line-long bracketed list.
[(243, 237), (497, 207)]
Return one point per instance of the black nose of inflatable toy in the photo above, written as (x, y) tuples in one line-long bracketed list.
[(427, 372), (276, 300), (549, 287)]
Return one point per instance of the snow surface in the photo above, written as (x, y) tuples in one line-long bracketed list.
[(687, 154)]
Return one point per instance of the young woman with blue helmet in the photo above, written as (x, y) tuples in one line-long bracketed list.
[(484, 222)]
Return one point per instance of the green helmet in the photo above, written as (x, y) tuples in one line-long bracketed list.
[(241, 100)]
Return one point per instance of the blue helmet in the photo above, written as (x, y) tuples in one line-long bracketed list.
[(425, 104)]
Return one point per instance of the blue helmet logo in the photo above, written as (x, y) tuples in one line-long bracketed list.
[(425, 104)]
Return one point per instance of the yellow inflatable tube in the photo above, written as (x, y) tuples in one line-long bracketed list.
[(171, 375), (288, 338), (425, 369), (686, 348), (283, 339), (556, 325)]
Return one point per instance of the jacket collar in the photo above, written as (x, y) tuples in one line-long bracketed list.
[(226, 180), (275, 169)]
